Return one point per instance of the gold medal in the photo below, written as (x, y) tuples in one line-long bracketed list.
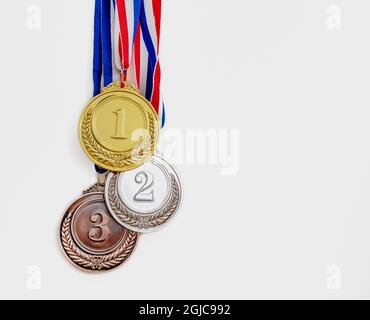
[(119, 128)]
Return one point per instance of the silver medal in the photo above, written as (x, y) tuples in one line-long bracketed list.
[(146, 198)]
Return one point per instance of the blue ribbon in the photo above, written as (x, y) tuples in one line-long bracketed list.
[(137, 9), (97, 58), (151, 52), (102, 61), (102, 57), (106, 42), (163, 115)]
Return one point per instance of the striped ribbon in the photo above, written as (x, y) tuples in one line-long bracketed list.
[(149, 77), (126, 46), (127, 15), (141, 30)]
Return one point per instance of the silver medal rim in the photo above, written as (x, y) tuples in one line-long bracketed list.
[(156, 159)]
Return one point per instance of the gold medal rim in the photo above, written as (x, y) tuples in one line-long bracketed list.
[(130, 163)]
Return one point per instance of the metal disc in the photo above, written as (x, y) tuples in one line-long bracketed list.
[(91, 238), (146, 198), (119, 128)]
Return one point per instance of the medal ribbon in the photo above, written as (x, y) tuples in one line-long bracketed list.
[(97, 57), (150, 18), (136, 28), (102, 56), (126, 25), (146, 71), (102, 59)]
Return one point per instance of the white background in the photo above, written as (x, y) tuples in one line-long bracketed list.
[(298, 92)]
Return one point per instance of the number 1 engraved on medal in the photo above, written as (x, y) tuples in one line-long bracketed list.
[(99, 227), (120, 134), (143, 195)]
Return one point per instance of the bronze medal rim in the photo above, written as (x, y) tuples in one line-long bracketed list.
[(118, 161), (87, 261)]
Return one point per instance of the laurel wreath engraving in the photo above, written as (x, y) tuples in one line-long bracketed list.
[(92, 262), (94, 188), (117, 159), (147, 221)]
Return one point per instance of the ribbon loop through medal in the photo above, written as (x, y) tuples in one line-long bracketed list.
[(119, 128)]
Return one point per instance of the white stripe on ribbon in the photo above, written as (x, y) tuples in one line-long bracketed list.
[(148, 5), (130, 15), (115, 57), (116, 38)]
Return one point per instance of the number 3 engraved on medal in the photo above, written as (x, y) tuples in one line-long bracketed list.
[(120, 134), (142, 195), (100, 220)]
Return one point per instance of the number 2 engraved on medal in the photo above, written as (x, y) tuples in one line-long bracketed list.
[(120, 129), (100, 220), (147, 180)]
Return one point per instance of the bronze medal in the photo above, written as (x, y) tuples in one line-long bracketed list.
[(91, 238)]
